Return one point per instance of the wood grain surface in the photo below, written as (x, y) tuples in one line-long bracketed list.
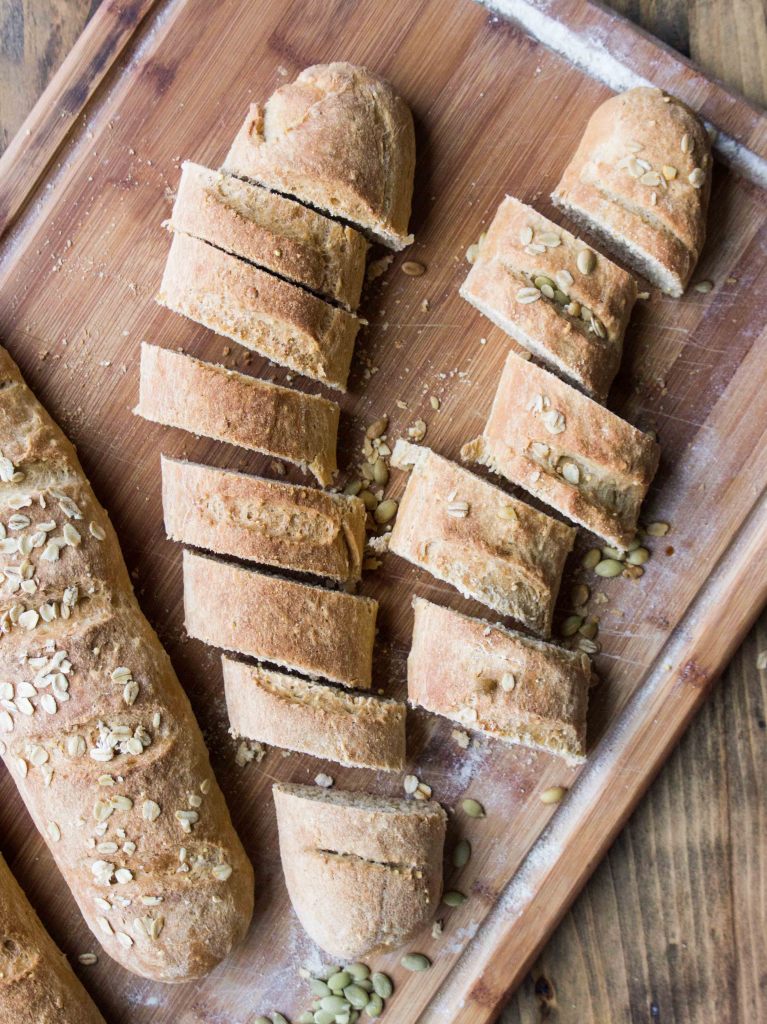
[(671, 927)]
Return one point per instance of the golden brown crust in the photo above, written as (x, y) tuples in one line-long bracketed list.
[(567, 450), (498, 550), (271, 231), (205, 398), (579, 331), (362, 872), (309, 629), (500, 682), (285, 711), (94, 721), (266, 521), (340, 139), (277, 319)]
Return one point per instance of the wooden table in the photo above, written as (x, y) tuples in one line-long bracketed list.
[(672, 926)]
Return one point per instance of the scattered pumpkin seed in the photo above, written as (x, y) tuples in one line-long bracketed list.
[(369, 500), (413, 269), (589, 630), (382, 984), (358, 971), (554, 795), (357, 996), (334, 1004), (616, 553), (461, 853), (374, 1006), (377, 428), (638, 556), (453, 898), (386, 511), (586, 261), (415, 962), (657, 529), (262, 1020), (608, 567), (527, 295), (381, 472), (591, 559), (704, 287), (571, 625), (434, 402), (579, 595), (319, 988), (337, 982), (278, 1018), (324, 1017), (353, 488), (542, 281), (473, 808)]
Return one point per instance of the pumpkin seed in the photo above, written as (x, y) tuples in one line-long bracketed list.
[(324, 1017), (586, 261), (561, 297), (381, 472), (353, 488), (374, 1007), (278, 1018), (579, 595), (527, 295), (589, 630), (413, 269), (461, 853), (571, 625), (358, 971), (307, 1017), (547, 291), (319, 988), (369, 500), (377, 427), (550, 239), (704, 287), (657, 529), (453, 898), (337, 982), (638, 557), (591, 558), (386, 511), (415, 962), (357, 996), (526, 235), (473, 808), (334, 1004), (616, 553), (542, 280), (608, 567), (697, 177), (366, 983), (262, 1020), (554, 795), (382, 985)]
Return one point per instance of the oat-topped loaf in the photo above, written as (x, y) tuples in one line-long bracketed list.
[(340, 139), (554, 295), (641, 179), (498, 681), (567, 450), (363, 872), (96, 730), (476, 537)]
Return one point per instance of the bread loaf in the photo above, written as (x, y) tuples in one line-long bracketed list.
[(207, 399), (340, 139), (363, 872), (96, 730)]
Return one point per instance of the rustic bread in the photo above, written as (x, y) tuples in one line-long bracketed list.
[(37, 985), (277, 319), (498, 681), (271, 231), (472, 535), (363, 872), (309, 629), (340, 139), (570, 452), (96, 730), (553, 295), (286, 711), (267, 521), (640, 180), (205, 398)]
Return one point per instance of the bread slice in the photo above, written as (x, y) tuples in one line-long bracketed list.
[(285, 711), (272, 232), (500, 682), (205, 398), (309, 629), (570, 452), (553, 295), (363, 872), (472, 535), (640, 180), (340, 139), (277, 319), (266, 521)]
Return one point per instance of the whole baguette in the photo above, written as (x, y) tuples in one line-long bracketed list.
[(37, 985), (97, 731)]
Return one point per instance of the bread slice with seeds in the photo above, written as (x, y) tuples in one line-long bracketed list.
[(474, 536), (640, 180), (363, 872), (308, 629), (557, 298), (277, 319), (271, 231), (268, 521), (338, 138), (205, 398), (286, 711), (567, 450), (498, 681)]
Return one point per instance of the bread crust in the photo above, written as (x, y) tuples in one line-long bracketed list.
[(356, 730), (507, 266), (268, 521), (340, 139), (205, 398), (498, 681), (272, 232), (94, 722), (540, 428), (501, 552), (387, 853), (277, 319), (309, 629)]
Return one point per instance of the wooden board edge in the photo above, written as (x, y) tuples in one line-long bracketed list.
[(46, 127), (617, 776)]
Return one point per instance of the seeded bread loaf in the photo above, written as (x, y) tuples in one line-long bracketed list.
[(309, 629), (472, 535), (266, 521), (640, 180), (553, 295), (208, 399), (277, 319), (337, 138), (286, 711), (498, 681), (363, 872), (96, 730), (272, 232), (570, 452)]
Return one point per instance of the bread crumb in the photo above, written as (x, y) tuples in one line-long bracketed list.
[(323, 780), (249, 750)]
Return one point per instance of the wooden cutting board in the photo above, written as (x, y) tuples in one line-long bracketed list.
[(83, 190)]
